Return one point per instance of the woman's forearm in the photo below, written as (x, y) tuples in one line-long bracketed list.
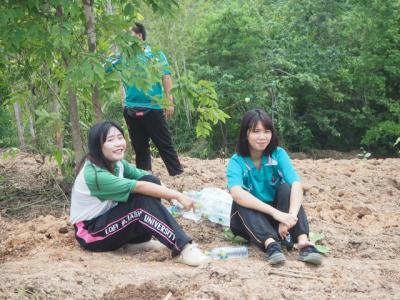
[(296, 198), (245, 199), (155, 190), (167, 84), (161, 191)]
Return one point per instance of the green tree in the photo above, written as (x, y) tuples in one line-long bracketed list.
[(326, 71), (46, 40)]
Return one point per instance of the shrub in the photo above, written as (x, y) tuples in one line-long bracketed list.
[(379, 139)]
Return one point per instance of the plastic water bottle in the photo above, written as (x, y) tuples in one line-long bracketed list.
[(288, 238), (225, 253), (288, 242), (175, 210)]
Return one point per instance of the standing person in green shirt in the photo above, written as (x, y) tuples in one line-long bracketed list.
[(143, 113), (114, 204), (267, 192)]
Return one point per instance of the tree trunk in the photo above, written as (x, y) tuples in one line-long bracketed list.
[(91, 32), (76, 130), (58, 134), (96, 103), (20, 127), (74, 118), (31, 127), (109, 8), (73, 106), (272, 95)]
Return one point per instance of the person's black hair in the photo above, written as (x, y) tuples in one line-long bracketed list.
[(249, 122), (97, 137), (139, 28)]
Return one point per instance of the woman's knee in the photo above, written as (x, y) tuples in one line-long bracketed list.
[(136, 199), (284, 189), (151, 178)]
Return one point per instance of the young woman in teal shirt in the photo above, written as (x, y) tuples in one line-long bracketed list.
[(267, 192)]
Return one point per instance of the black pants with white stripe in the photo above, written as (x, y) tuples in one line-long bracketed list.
[(258, 227), (134, 221)]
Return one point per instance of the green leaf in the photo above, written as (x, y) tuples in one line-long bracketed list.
[(315, 237), (58, 157), (229, 236), (128, 9), (323, 249)]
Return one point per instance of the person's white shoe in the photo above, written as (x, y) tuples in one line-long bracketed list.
[(191, 255), (149, 245)]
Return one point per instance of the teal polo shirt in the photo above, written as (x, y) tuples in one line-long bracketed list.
[(261, 183), (134, 95)]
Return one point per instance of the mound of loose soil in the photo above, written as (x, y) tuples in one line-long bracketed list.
[(354, 203)]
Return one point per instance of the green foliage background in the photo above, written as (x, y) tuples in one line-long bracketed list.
[(327, 71)]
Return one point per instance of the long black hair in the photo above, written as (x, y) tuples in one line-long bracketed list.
[(249, 122), (97, 137)]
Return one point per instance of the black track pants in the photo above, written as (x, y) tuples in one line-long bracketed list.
[(258, 227), (134, 221)]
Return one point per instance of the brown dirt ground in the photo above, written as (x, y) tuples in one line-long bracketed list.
[(354, 203)]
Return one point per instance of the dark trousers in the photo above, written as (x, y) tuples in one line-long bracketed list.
[(134, 221), (258, 227), (146, 124)]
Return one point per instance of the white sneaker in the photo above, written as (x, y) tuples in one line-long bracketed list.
[(149, 245), (191, 255)]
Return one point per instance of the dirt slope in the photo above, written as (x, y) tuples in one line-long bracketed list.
[(354, 203)]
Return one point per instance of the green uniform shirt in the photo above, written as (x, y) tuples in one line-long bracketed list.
[(96, 190)]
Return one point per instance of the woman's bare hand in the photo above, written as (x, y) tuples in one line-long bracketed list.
[(288, 219), (187, 202)]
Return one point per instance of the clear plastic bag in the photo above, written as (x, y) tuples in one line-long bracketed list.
[(214, 204)]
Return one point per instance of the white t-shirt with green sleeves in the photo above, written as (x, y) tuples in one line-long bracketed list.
[(96, 190)]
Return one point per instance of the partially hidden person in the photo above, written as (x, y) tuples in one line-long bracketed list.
[(114, 204), (267, 193), (144, 111)]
